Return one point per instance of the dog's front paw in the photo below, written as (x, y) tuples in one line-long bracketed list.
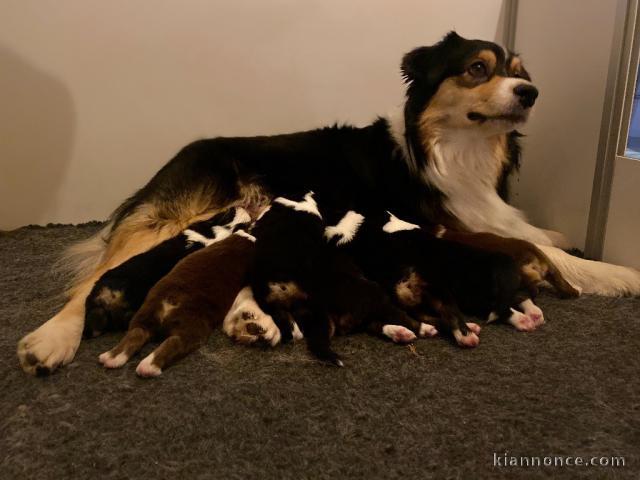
[(558, 239), (50, 346)]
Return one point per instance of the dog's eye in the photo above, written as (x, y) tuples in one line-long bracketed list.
[(477, 70)]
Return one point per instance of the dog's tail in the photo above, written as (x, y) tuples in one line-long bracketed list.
[(594, 277)]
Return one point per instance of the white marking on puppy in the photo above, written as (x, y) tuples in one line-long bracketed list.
[(241, 216), (493, 316), (146, 368), (110, 361), (533, 311), (474, 327), (396, 225), (427, 330), (246, 235), (109, 297), (219, 233), (398, 333), (469, 340), (308, 205), (440, 231), (346, 228), (521, 321), (167, 307), (297, 333), (195, 237)]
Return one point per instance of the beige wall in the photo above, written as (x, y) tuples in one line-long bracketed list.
[(96, 95), (623, 222), (566, 46)]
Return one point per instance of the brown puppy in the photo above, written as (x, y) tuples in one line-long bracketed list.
[(185, 306), (535, 266)]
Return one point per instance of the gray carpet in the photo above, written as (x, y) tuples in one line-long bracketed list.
[(231, 412)]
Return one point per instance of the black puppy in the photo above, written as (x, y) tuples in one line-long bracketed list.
[(120, 292), (427, 275), (298, 277)]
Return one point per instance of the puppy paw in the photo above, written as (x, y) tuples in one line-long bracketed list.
[(534, 312), (522, 322), (248, 326), (427, 330), (470, 340), (474, 327), (109, 360), (147, 369), (398, 333), (296, 333)]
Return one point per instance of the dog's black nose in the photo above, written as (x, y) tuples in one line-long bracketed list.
[(527, 93)]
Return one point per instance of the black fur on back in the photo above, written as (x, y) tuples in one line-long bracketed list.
[(365, 165)]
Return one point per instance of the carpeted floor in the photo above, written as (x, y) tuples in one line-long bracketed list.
[(231, 412)]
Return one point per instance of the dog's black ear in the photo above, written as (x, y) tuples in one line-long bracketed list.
[(428, 64)]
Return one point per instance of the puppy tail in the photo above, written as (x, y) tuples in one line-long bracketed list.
[(589, 276)]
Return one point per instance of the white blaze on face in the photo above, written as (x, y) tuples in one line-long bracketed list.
[(308, 205), (396, 225), (346, 228)]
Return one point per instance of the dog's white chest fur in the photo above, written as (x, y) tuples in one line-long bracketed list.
[(466, 168)]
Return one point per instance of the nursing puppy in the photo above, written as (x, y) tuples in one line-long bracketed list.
[(429, 276), (298, 279), (186, 305), (119, 293), (535, 266)]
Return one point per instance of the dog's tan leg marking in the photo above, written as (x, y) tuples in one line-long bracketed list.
[(56, 341)]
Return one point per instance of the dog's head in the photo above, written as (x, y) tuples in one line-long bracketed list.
[(471, 85)]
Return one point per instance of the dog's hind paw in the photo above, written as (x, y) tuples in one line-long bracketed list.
[(471, 339), (522, 322), (398, 333), (249, 326), (533, 311), (147, 369), (50, 346), (474, 327), (427, 330), (108, 360)]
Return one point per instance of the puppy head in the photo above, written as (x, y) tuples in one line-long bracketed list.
[(471, 85)]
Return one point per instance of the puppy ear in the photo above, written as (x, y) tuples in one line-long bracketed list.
[(427, 64)]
